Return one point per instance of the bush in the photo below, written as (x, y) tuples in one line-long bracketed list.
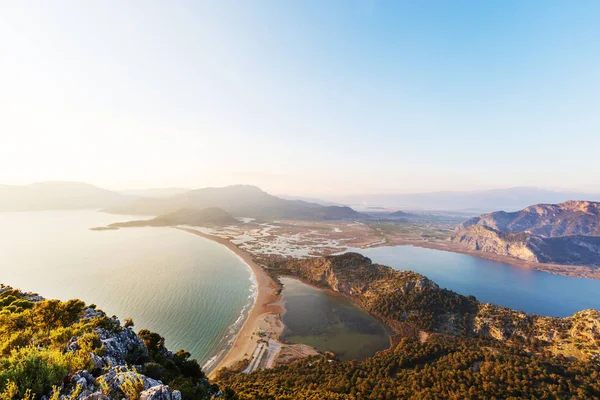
[(34, 369)]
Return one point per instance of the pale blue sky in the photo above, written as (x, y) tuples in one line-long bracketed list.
[(302, 97)]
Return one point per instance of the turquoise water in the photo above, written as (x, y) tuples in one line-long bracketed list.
[(330, 322), (189, 289), (494, 282)]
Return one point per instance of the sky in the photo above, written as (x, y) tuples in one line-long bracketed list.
[(302, 97)]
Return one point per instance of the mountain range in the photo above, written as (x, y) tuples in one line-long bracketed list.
[(57, 195), (510, 199), (240, 201), (565, 233)]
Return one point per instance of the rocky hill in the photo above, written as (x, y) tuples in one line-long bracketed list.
[(68, 350), (566, 233), (546, 220), (575, 249), (407, 299), (447, 346), (240, 201), (192, 217)]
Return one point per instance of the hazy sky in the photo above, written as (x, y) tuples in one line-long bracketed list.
[(302, 97)]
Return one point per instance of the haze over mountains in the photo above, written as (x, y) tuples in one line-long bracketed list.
[(194, 217), (566, 233), (56, 195), (252, 201), (238, 200), (510, 199)]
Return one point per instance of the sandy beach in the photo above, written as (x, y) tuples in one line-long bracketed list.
[(264, 315)]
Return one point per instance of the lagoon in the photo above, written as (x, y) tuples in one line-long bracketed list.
[(330, 322)]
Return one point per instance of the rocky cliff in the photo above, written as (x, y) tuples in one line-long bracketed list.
[(566, 233), (546, 220), (483, 238)]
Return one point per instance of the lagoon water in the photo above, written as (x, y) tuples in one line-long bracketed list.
[(189, 289), (494, 282), (330, 322)]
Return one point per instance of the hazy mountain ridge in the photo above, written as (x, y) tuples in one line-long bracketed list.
[(565, 233), (481, 200), (154, 192), (56, 195), (240, 201)]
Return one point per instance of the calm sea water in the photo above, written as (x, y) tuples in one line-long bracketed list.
[(191, 290), (330, 322), (494, 282)]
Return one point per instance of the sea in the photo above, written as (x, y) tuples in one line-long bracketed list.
[(193, 291)]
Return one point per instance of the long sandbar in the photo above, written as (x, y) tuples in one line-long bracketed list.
[(265, 303)]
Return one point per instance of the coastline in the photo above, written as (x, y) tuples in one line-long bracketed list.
[(263, 316), (573, 271)]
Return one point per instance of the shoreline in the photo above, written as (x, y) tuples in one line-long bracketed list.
[(571, 271), (263, 316)]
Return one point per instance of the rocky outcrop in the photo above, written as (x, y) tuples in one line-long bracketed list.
[(566, 233), (573, 250), (482, 238), (546, 220), (160, 392), (117, 383)]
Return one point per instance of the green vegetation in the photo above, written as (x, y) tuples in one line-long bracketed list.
[(396, 296), (446, 367), (44, 342), (473, 351)]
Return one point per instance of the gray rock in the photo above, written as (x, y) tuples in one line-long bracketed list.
[(119, 345), (160, 392), (94, 396), (116, 376)]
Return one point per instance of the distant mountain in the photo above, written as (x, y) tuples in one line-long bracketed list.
[(510, 199), (240, 201), (193, 217), (56, 195), (566, 233), (547, 220), (154, 192), (400, 214), (309, 200)]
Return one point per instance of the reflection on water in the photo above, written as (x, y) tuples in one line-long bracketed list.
[(330, 322)]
